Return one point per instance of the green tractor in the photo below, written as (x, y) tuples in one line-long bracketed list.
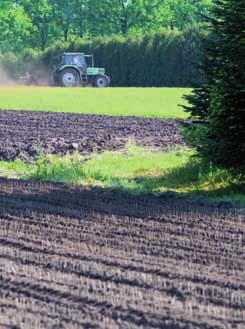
[(77, 69)]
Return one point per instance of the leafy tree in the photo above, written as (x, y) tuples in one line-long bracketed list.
[(40, 14), (171, 14), (52, 21), (69, 17), (108, 17), (148, 16), (5, 4), (14, 28), (221, 103), (80, 18), (186, 12)]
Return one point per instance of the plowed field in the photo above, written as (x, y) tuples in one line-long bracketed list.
[(24, 134), (84, 258)]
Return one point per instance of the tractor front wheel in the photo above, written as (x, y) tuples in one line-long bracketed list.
[(101, 81), (69, 78)]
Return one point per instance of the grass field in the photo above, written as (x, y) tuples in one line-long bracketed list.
[(146, 102)]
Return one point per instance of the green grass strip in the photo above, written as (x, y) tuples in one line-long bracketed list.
[(144, 102), (134, 169)]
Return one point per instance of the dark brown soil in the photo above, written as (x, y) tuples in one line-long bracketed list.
[(86, 258), (23, 134)]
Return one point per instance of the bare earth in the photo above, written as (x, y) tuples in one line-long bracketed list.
[(24, 134), (86, 258)]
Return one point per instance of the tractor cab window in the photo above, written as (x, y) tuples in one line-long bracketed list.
[(70, 59), (63, 60), (67, 60), (79, 61)]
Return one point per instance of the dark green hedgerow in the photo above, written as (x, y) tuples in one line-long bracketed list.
[(165, 58)]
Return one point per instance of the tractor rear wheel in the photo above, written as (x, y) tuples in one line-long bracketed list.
[(101, 81), (69, 78)]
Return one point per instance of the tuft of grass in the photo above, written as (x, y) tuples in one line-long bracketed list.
[(145, 102), (67, 169), (135, 169), (13, 169), (128, 168)]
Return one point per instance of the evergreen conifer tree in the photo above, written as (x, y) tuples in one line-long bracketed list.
[(220, 104)]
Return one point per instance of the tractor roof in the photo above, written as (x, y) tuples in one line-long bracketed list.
[(73, 53), (77, 54)]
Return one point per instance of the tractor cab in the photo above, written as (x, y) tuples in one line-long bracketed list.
[(78, 59)]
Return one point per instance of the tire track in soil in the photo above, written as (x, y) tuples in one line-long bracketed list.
[(83, 258)]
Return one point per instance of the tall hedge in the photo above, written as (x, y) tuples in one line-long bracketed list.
[(161, 59), (165, 58)]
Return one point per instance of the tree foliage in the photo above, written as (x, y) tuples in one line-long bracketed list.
[(220, 104), (41, 23), (14, 28)]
